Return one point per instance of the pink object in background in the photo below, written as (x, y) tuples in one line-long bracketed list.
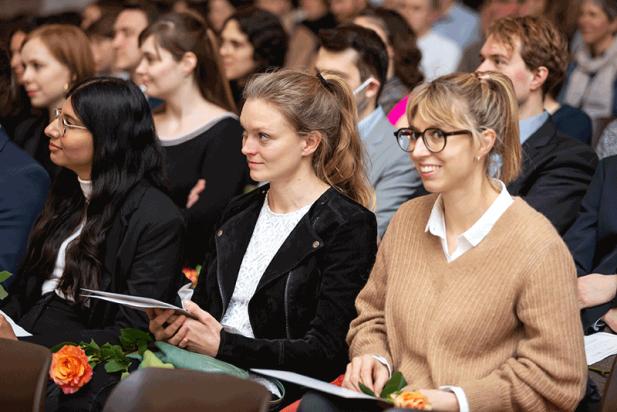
[(398, 110)]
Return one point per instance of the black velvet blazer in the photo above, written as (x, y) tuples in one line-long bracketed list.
[(304, 302)]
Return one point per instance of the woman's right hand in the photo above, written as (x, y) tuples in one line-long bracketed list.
[(367, 370), (164, 323)]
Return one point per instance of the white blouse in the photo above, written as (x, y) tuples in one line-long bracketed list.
[(270, 232), (51, 284)]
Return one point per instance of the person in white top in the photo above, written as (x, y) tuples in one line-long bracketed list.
[(278, 289), (440, 55)]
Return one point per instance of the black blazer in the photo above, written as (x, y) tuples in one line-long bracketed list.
[(592, 239), (304, 302), (556, 172), (143, 251)]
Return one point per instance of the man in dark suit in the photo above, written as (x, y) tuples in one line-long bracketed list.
[(592, 239), (23, 189), (556, 169)]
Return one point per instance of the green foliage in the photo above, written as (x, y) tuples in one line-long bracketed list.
[(366, 390), (116, 358), (4, 275), (150, 360), (394, 384)]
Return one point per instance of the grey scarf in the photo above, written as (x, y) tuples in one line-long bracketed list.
[(592, 81)]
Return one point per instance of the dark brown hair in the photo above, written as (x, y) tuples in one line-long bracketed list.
[(402, 39), (180, 33)]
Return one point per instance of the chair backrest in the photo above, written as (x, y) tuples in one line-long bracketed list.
[(165, 390), (609, 399), (23, 376)]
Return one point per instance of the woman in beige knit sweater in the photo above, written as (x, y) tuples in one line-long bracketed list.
[(473, 293)]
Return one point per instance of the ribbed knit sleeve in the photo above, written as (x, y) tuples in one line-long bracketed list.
[(548, 370), (367, 333)]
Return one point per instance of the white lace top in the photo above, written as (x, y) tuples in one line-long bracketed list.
[(270, 232)]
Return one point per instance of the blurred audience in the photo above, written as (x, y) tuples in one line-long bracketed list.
[(93, 12), (458, 22), (491, 11), (345, 10), (52, 65), (403, 54), (607, 144), (197, 127), (591, 84), (358, 56), (440, 55), (101, 35), (23, 184), (556, 169), (252, 41), (132, 20)]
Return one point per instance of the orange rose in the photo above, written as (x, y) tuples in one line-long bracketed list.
[(70, 369), (415, 400), (192, 274)]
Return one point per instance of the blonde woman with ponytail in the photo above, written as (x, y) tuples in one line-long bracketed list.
[(473, 293), (278, 290)]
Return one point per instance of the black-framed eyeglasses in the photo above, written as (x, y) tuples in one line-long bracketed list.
[(62, 123), (434, 139)]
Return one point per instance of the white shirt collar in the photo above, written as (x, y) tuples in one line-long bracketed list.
[(469, 239)]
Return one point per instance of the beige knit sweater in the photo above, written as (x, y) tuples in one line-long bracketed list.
[(501, 321)]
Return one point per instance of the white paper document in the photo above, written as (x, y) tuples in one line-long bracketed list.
[(599, 346), (313, 384), (17, 330), (135, 302)]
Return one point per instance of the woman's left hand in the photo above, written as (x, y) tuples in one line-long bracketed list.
[(441, 400), (201, 335), (6, 330)]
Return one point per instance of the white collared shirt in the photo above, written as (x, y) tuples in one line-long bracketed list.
[(475, 234)]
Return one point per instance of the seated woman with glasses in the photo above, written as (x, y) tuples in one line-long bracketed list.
[(473, 293), (107, 223)]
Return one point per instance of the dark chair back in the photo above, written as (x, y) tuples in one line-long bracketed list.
[(24, 375), (609, 400), (166, 390)]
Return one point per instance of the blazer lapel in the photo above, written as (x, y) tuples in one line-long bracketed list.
[(231, 241), (530, 151)]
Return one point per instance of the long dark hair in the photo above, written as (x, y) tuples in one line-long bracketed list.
[(402, 39), (179, 33), (126, 152)]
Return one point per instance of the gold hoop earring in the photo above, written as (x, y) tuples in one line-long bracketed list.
[(66, 86)]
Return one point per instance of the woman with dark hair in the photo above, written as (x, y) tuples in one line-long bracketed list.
[(403, 55), (106, 225), (252, 41), (197, 126), (52, 64), (291, 256)]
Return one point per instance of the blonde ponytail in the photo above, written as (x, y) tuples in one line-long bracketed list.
[(316, 104)]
